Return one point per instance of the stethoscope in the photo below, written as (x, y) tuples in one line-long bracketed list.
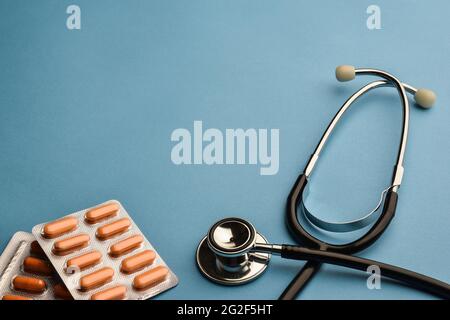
[(234, 253)]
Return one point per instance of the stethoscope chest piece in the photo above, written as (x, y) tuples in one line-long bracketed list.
[(224, 256)]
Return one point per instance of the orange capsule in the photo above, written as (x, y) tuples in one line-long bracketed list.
[(37, 266), (36, 249), (59, 227), (115, 293), (71, 244), (84, 261), (29, 284), (96, 278), (150, 278), (124, 246), (61, 292), (101, 213), (138, 261), (114, 228), (15, 297)]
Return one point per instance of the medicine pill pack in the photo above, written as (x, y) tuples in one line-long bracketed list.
[(27, 274), (97, 253), (100, 254)]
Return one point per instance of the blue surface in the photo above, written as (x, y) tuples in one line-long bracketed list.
[(86, 116)]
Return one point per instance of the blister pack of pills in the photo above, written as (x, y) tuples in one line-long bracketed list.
[(26, 273), (101, 254)]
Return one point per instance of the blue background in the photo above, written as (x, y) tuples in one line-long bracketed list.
[(87, 115)]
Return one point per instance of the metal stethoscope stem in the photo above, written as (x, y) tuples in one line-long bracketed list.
[(369, 217), (389, 81)]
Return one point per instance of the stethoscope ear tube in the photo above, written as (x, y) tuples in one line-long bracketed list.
[(296, 194)]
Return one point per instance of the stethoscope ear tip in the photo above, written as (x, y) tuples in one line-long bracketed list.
[(425, 98), (345, 73)]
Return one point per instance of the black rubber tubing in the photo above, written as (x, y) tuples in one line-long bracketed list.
[(303, 237), (300, 280), (413, 279)]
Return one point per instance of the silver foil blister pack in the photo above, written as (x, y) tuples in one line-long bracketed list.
[(26, 273), (100, 254)]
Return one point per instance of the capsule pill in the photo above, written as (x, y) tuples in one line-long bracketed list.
[(96, 279), (29, 284), (114, 228), (127, 245), (37, 266), (115, 293), (138, 261), (85, 261), (59, 227), (101, 213), (68, 245), (150, 278)]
